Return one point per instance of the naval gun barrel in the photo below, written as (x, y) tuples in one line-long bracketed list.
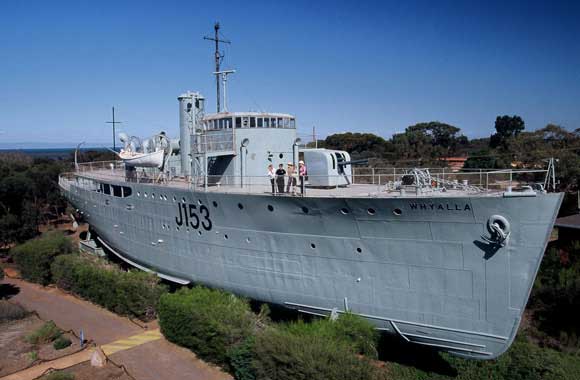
[(354, 162)]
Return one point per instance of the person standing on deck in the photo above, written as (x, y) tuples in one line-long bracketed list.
[(302, 173), (272, 176), (291, 185), (280, 173)]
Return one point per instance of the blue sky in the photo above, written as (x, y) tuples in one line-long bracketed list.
[(341, 65)]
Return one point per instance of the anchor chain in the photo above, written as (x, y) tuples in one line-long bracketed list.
[(499, 230)]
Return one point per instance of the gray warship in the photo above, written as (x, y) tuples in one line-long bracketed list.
[(442, 259)]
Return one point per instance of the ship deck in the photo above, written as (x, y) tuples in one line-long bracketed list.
[(362, 188)]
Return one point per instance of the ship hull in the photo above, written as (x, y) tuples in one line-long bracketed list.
[(415, 267)]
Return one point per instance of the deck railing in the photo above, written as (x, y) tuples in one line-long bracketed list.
[(377, 183)]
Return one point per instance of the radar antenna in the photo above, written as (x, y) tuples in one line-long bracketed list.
[(218, 58)]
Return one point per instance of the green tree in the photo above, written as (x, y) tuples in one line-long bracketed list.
[(506, 127), (359, 145)]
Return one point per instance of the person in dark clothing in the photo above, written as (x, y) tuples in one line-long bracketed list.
[(280, 173)]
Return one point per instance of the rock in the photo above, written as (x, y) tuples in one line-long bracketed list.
[(98, 358)]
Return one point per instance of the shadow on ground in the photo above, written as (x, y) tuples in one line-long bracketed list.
[(8, 291), (393, 349)]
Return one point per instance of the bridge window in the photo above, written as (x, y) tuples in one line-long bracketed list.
[(238, 122), (260, 124), (228, 123), (252, 122), (117, 191), (273, 123), (280, 125), (285, 123), (292, 123), (266, 122), (106, 188), (245, 122)]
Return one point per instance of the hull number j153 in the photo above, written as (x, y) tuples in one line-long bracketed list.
[(188, 215)]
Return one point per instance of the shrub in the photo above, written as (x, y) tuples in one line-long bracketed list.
[(33, 356), (10, 311), (44, 334), (300, 352), (61, 343), (1, 272), (241, 360), (35, 256), (134, 293), (348, 328), (59, 375), (524, 360), (209, 322)]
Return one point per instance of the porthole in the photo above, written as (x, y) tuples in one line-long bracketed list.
[(240, 206), (226, 237), (214, 204), (138, 193), (305, 209), (199, 201), (183, 200), (145, 195), (281, 155), (312, 245), (359, 250), (270, 207), (248, 240), (174, 199), (344, 211), (199, 232), (371, 211), (176, 228), (153, 195), (397, 211)]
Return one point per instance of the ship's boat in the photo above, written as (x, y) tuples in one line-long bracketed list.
[(143, 160), (438, 258)]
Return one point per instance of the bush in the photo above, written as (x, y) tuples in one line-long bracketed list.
[(209, 322), (35, 256), (523, 361), (134, 293), (10, 311), (61, 343), (555, 299), (348, 328), (44, 334), (1, 272), (59, 375), (301, 352), (241, 358)]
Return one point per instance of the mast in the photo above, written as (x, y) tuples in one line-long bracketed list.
[(218, 57), (114, 123)]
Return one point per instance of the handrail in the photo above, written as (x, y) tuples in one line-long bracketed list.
[(336, 185)]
